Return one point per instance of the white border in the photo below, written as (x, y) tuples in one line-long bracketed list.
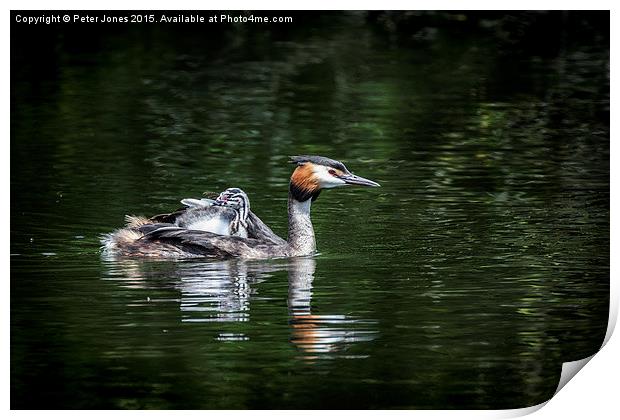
[(315, 5)]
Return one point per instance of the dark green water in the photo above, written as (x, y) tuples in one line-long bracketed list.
[(465, 281)]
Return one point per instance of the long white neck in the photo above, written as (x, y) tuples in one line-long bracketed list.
[(300, 230)]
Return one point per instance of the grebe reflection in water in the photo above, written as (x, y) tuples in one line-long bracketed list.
[(319, 335), (222, 292)]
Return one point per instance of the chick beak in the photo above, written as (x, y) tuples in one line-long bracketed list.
[(221, 201), (352, 179)]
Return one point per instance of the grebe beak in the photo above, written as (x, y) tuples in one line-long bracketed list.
[(352, 179)]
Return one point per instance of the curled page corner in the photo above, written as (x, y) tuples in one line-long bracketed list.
[(569, 370)]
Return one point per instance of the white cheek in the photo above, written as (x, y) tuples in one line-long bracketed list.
[(325, 179)]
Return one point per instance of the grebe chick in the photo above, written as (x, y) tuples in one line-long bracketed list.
[(229, 214), (226, 216), (164, 238)]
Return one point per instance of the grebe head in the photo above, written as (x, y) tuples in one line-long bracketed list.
[(315, 173), (233, 197)]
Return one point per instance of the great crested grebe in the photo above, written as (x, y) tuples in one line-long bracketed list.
[(161, 236)]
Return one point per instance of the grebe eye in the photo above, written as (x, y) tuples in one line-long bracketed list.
[(332, 172)]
